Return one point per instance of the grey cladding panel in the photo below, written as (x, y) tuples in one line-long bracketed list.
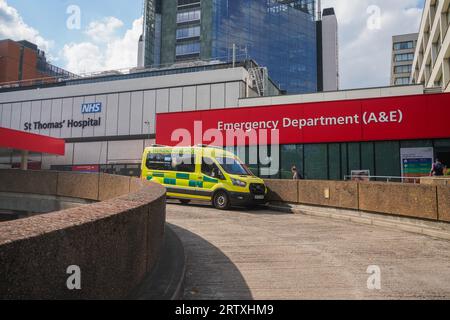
[(176, 100), (6, 116), (56, 117), (232, 94), (149, 112), (124, 114), (25, 115), (35, 114), (67, 106), (162, 101), (77, 132), (218, 96), (46, 115), (189, 98), (101, 130), (137, 100), (204, 97), (112, 109), (15, 116)]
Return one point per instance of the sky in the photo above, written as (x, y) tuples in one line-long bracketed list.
[(90, 36)]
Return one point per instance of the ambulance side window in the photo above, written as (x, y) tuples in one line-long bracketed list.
[(167, 162), (210, 169)]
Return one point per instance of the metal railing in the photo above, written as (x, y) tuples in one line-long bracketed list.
[(391, 179), (132, 72)]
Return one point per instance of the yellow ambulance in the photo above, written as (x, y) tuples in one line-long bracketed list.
[(203, 173)]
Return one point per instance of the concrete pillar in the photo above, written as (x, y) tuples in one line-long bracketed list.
[(24, 160)]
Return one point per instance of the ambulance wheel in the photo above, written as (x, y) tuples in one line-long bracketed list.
[(185, 201), (221, 200)]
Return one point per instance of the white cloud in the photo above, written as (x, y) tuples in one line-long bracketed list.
[(83, 57), (365, 54), (104, 30), (118, 52), (123, 52), (13, 27)]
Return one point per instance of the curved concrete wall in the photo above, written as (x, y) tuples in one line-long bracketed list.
[(426, 201), (115, 243), (31, 204)]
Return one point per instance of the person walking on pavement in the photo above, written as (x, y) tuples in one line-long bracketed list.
[(438, 169), (295, 174)]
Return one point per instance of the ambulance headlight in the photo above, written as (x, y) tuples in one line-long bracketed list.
[(239, 183)]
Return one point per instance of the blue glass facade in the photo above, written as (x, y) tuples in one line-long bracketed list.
[(279, 36)]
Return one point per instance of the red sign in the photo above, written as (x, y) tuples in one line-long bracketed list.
[(86, 169), (394, 118), (19, 140)]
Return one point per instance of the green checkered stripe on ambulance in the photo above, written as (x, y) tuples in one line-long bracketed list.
[(182, 179)]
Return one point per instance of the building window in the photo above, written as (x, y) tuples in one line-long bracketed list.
[(189, 32), (401, 81), (188, 16), (188, 49), (403, 69), (404, 57), (403, 45)]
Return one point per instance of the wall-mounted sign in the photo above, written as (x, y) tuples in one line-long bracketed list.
[(379, 119), (29, 126), (86, 169), (87, 108), (416, 162)]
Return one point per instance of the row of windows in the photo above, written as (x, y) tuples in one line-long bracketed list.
[(404, 45), (403, 69), (189, 32), (188, 16), (188, 48), (401, 81), (169, 162), (181, 163), (335, 160), (404, 57)]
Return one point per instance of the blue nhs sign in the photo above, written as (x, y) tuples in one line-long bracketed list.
[(91, 108)]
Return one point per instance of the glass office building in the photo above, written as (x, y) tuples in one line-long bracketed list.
[(277, 34)]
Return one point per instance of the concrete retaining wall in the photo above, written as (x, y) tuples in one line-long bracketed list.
[(444, 202), (282, 190), (429, 201), (400, 199), (444, 181), (116, 243), (32, 204), (329, 193)]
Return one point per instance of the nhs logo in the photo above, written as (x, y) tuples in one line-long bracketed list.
[(91, 108)]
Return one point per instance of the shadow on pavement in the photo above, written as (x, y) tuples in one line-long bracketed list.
[(259, 210), (210, 274)]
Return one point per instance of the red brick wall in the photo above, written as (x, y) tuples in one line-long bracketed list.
[(10, 59), (29, 70), (9, 63)]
